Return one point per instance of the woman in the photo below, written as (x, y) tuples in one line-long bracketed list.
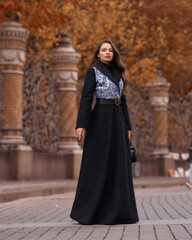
[(105, 193)]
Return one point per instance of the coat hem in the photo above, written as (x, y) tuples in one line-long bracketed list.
[(128, 221)]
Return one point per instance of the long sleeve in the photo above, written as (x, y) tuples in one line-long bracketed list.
[(86, 99), (125, 112)]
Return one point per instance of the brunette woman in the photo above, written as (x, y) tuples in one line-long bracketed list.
[(105, 193)]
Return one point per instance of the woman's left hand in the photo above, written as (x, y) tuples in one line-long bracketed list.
[(129, 134)]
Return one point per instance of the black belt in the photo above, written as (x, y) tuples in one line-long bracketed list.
[(115, 101)]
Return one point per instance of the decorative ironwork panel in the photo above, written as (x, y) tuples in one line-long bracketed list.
[(180, 122), (141, 117), (40, 108)]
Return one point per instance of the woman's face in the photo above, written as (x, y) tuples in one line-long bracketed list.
[(106, 53)]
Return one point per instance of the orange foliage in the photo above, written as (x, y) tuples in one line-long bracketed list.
[(148, 33), (42, 17), (174, 19)]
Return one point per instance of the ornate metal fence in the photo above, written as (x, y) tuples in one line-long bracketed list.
[(40, 108), (140, 114), (180, 122), (41, 111)]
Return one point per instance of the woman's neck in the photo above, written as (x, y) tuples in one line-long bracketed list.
[(105, 62)]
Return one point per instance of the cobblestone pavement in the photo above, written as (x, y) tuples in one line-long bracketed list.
[(165, 214)]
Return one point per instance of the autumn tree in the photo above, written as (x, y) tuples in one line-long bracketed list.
[(173, 19), (150, 35), (43, 17), (147, 33)]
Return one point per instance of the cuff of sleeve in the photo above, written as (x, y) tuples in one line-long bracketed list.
[(80, 127)]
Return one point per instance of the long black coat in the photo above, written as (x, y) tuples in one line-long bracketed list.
[(105, 193)]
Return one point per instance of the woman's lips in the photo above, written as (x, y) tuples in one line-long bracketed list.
[(107, 56)]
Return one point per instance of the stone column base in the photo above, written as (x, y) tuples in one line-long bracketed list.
[(156, 165), (68, 145), (11, 142), (16, 157), (22, 163), (159, 152), (73, 157), (16, 164), (166, 162)]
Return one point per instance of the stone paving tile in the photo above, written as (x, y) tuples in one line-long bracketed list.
[(132, 232), (99, 232), (144, 232), (162, 232), (165, 214), (179, 232), (8, 233)]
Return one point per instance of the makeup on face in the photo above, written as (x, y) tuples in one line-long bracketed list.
[(106, 53)]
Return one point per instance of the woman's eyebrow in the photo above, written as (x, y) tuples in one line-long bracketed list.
[(106, 48)]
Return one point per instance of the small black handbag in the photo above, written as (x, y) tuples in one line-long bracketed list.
[(132, 151)]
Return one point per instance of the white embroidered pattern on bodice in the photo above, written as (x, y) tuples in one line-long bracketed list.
[(105, 88)]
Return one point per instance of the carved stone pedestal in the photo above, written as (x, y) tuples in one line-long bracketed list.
[(12, 56), (15, 155), (158, 160), (63, 64)]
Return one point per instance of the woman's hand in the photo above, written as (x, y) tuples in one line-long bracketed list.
[(80, 132), (129, 134)]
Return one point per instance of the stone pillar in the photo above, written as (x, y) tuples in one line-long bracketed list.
[(63, 64), (158, 95), (15, 155), (159, 160), (12, 55)]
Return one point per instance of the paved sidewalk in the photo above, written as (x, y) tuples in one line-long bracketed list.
[(165, 214), (13, 190)]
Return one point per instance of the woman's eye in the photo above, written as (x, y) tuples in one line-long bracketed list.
[(104, 50)]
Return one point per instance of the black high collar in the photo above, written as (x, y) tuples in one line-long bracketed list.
[(106, 69)]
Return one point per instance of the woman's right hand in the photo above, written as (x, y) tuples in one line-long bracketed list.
[(80, 132)]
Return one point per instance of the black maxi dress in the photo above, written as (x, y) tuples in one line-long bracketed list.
[(105, 193)]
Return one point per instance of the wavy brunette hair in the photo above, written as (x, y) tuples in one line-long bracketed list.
[(116, 60)]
